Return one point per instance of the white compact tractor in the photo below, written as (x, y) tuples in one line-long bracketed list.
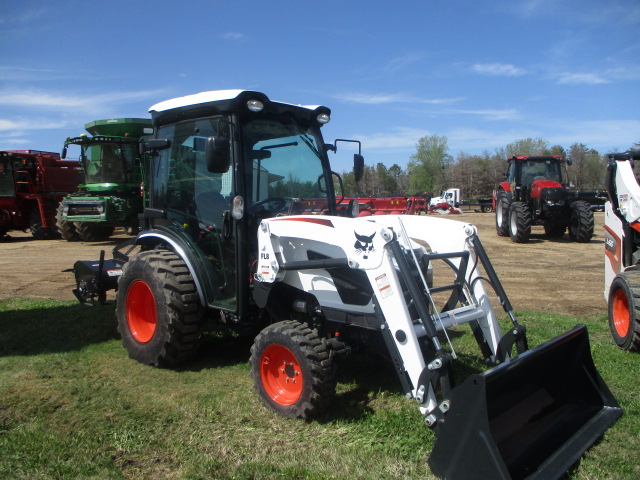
[(244, 227), (622, 250)]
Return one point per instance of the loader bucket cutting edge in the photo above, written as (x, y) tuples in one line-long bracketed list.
[(530, 418)]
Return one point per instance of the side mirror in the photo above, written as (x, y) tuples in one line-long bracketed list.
[(569, 162), (149, 144), (63, 155), (358, 167), (217, 154)]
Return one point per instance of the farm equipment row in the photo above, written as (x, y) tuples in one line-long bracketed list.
[(228, 239)]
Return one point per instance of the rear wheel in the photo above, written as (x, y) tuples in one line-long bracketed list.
[(159, 314), (292, 370), (66, 229), (93, 232), (581, 223), (502, 214), (519, 222), (624, 310)]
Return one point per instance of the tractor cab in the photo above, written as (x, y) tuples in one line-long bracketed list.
[(528, 176), (223, 161)]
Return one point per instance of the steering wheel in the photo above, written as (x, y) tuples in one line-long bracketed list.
[(279, 202)]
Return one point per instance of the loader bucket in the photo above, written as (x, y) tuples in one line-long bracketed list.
[(530, 418)]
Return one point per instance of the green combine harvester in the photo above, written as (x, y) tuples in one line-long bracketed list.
[(113, 193)]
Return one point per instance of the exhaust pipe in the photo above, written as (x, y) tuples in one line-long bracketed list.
[(530, 418)]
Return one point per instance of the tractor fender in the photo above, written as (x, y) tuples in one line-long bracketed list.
[(176, 245)]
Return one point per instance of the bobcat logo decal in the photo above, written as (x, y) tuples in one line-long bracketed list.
[(364, 244)]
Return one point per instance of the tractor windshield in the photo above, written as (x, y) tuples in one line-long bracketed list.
[(107, 162), (541, 170), (287, 164)]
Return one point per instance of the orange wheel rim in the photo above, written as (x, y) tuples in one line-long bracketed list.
[(281, 375), (621, 313), (141, 311)]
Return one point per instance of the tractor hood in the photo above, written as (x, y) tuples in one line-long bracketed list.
[(539, 185)]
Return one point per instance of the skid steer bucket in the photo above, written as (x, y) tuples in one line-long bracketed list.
[(530, 418)]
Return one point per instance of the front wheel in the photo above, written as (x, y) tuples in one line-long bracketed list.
[(292, 370), (93, 232), (581, 223), (66, 229), (624, 310), (519, 222), (159, 314)]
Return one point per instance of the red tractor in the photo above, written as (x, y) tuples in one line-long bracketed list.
[(534, 193), (32, 184)]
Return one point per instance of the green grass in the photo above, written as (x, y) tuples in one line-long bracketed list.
[(73, 405)]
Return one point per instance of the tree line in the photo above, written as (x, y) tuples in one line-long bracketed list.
[(432, 169)]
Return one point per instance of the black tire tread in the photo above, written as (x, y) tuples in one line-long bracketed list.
[(632, 279), (586, 222), (180, 297), (523, 222), (93, 232), (317, 357), (502, 204), (67, 230)]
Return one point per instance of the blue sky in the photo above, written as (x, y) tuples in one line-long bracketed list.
[(481, 73)]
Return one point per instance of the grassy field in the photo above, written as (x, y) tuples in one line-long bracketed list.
[(73, 405)]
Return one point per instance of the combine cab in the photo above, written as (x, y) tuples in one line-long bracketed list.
[(32, 183), (535, 193), (112, 194)]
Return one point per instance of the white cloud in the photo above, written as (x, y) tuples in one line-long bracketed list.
[(489, 114), (399, 63), (498, 69), (581, 79), (398, 138), (43, 99), (235, 36), (28, 16), (387, 98)]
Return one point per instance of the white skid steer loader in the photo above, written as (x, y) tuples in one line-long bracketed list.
[(622, 250)]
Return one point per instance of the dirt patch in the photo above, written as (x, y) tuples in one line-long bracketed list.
[(552, 275)]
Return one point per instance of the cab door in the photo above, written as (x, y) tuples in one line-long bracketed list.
[(197, 204)]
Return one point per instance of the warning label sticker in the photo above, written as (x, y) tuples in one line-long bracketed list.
[(383, 286)]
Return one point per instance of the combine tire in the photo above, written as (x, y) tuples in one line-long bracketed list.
[(292, 370), (624, 310), (67, 230), (93, 232), (502, 214), (519, 222), (37, 230), (159, 314), (581, 223)]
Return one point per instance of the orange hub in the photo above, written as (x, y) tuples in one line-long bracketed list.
[(281, 375), (141, 311), (621, 314)]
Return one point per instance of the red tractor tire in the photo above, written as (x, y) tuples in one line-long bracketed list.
[(159, 314), (624, 310), (292, 370)]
